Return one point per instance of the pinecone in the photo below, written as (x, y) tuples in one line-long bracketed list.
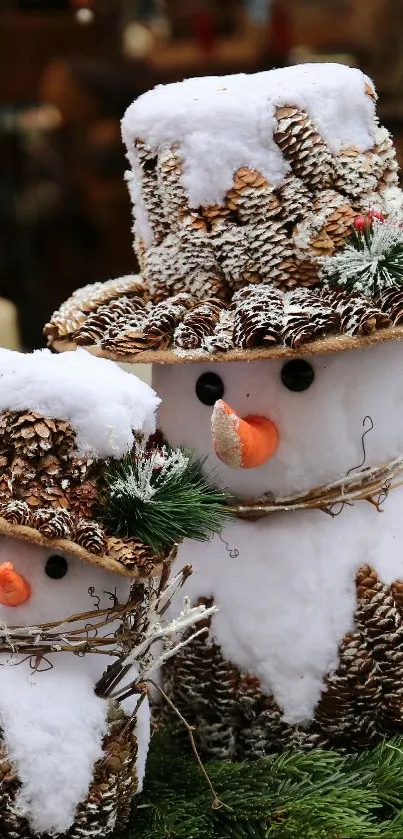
[(163, 270), (53, 524), (122, 310), (38, 494), (327, 227), (22, 471), (16, 512), (295, 198), (258, 316), (49, 468), (269, 249), (307, 318), (32, 435), (175, 200), (198, 262), (222, 338), (145, 174), (371, 201), (385, 164), (89, 535), (354, 172), (252, 197), (83, 499), (214, 214), (390, 300), (397, 591), (358, 315), (72, 313), (160, 324), (131, 554), (197, 323), (231, 247), (301, 145), (336, 712), (300, 272), (392, 201), (379, 620)]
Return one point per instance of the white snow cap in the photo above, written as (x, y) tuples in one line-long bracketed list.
[(223, 123), (104, 404)]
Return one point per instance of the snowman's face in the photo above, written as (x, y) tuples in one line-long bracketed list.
[(320, 408), (50, 585)]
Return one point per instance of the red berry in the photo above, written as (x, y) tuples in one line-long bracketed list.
[(376, 214), (360, 223)]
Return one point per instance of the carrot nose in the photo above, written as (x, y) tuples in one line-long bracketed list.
[(245, 443), (14, 590)]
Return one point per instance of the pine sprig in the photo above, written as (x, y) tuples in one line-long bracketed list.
[(162, 496), (314, 795), (371, 261)]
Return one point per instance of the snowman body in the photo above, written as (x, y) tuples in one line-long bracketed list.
[(70, 761), (307, 645)]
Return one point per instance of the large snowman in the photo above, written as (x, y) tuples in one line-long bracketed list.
[(71, 757), (267, 227)]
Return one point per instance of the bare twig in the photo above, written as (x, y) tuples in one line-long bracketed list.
[(371, 484), (217, 803)]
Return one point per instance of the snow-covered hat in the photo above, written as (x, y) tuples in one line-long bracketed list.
[(245, 192), (62, 418)]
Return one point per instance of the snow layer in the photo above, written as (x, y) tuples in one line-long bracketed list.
[(223, 123), (53, 726), (288, 598), (103, 403)]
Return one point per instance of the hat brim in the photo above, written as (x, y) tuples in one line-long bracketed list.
[(323, 346), (30, 534)]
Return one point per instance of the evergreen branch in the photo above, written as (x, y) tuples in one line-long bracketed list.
[(370, 262), (160, 497), (313, 795)]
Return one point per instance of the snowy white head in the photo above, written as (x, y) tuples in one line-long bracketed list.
[(305, 417), (39, 584)]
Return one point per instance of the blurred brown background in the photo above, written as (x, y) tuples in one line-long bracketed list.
[(68, 70)]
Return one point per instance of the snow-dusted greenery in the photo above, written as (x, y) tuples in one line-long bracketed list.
[(370, 262), (160, 497)]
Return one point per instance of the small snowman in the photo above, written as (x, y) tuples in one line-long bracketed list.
[(267, 221), (75, 597)]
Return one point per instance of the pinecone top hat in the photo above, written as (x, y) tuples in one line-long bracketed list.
[(62, 418), (266, 218)]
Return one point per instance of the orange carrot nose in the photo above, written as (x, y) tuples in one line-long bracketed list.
[(245, 443), (14, 590)]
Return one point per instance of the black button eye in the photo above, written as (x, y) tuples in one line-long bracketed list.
[(56, 567), (297, 375), (209, 388)]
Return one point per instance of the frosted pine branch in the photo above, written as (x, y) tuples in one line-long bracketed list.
[(371, 264)]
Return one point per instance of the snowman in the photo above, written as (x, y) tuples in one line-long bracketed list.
[(70, 758), (267, 228)]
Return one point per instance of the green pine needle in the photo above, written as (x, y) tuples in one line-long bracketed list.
[(370, 262), (161, 497), (296, 795)]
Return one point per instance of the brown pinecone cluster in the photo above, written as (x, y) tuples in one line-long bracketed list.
[(259, 315), (262, 232), (131, 554), (361, 700), (74, 311), (197, 262), (43, 482), (32, 435)]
